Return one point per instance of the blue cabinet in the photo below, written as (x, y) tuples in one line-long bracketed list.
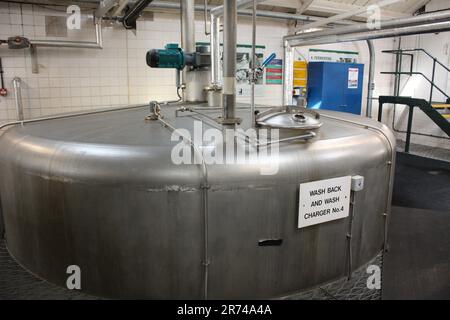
[(335, 86)]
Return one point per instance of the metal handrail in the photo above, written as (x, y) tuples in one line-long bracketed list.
[(421, 74), (418, 49), (412, 103), (401, 52)]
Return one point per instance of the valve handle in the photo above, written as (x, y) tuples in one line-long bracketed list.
[(268, 60)]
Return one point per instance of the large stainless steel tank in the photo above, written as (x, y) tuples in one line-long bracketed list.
[(101, 192)]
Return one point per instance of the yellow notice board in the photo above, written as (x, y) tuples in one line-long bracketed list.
[(300, 73)]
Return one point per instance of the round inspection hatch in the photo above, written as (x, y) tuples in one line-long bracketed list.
[(290, 118)]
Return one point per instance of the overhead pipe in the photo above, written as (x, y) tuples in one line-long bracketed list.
[(378, 34), (130, 17), (98, 44), (290, 16), (426, 23), (440, 16)]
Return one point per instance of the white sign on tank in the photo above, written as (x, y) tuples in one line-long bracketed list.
[(324, 200)]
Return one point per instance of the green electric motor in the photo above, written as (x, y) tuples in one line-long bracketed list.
[(172, 56)]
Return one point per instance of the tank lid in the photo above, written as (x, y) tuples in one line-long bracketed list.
[(290, 117)]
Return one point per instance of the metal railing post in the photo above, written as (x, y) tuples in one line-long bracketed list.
[(432, 80), (408, 130)]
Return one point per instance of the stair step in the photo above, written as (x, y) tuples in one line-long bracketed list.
[(441, 106), (446, 116)]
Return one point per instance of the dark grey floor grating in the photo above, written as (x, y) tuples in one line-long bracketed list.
[(17, 283), (353, 289)]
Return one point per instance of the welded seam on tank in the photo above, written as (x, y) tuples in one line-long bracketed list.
[(391, 169), (205, 188)]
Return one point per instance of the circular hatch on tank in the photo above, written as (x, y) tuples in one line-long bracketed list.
[(289, 117)]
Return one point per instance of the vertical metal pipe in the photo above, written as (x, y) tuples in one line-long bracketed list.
[(229, 59), (371, 84), (187, 25), (187, 32), (253, 65), (215, 49), (18, 98), (288, 73), (205, 17)]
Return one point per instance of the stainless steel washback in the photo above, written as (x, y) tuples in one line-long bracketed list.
[(101, 191)]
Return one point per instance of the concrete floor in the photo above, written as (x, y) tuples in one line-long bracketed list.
[(417, 264), (425, 151)]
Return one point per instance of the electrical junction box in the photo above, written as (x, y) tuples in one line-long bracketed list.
[(335, 86), (357, 183)]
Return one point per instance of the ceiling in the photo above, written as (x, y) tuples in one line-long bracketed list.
[(322, 8), (331, 7)]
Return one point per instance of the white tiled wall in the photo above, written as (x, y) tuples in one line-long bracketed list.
[(68, 79), (72, 79)]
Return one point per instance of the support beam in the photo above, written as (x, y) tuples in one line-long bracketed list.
[(346, 15), (159, 5), (332, 7), (304, 6), (240, 4)]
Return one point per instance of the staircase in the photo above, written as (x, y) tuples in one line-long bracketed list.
[(442, 107), (440, 119), (437, 111)]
